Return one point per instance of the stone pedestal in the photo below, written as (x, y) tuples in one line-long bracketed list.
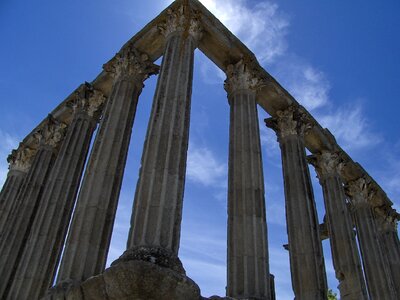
[(305, 249), (133, 279), (378, 277), (248, 266), (157, 212), (20, 162), (345, 256), (28, 201), (387, 227), (38, 265), (89, 237)]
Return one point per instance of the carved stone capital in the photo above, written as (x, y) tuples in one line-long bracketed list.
[(289, 122), (241, 76), (130, 64), (89, 101), (326, 163), (51, 133), (21, 159), (387, 221), (359, 192), (182, 20)]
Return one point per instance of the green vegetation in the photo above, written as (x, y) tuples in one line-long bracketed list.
[(332, 295)]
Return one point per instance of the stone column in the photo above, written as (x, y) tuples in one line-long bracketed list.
[(248, 264), (345, 256), (89, 236), (157, 212), (389, 240), (39, 261), (28, 201), (20, 161), (305, 248), (379, 281)]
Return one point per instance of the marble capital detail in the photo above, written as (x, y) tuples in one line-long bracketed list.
[(184, 20), (326, 163), (88, 100), (51, 133), (288, 122), (359, 192), (129, 63), (241, 76), (21, 159)]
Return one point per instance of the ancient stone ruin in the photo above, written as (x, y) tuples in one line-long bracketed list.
[(41, 190)]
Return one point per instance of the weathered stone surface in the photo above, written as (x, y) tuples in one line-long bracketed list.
[(29, 198), (157, 212), (38, 265), (248, 266), (305, 249), (379, 282), (20, 161), (138, 280), (387, 228), (345, 256), (158, 256), (89, 237)]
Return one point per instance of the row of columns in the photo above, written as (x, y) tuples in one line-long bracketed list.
[(39, 195)]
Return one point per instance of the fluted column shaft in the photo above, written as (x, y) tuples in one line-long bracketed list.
[(157, 212), (38, 265), (378, 277), (20, 161), (8, 194), (345, 256), (28, 201), (89, 236), (387, 228), (305, 249), (248, 265)]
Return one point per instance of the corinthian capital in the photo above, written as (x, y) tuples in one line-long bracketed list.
[(21, 159), (182, 20), (359, 192), (130, 64), (87, 100), (241, 77), (289, 122), (326, 163), (51, 133)]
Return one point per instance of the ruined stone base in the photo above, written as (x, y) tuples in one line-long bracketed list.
[(130, 280)]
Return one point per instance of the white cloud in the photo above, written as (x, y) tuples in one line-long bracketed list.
[(203, 167), (262, 28), (350, 127)]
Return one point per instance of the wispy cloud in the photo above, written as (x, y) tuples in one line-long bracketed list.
[(350, 127), (262, 27), (306, 83), (203, 167)]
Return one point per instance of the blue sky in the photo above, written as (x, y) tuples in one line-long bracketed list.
[(338, 58)]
